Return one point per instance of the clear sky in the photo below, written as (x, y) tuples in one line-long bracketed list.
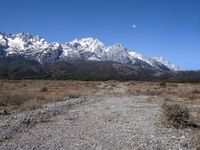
[(168, 28)]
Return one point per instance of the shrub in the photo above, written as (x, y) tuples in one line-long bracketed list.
[(163, 84), (175, 115), (195, 91), (24, 85), (44, 89)]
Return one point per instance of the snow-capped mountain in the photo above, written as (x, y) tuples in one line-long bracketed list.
[(89, 49), (166, 63)]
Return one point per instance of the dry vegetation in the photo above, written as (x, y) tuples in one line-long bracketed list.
[(23, 95), (177, 116), (187, 91), (173, 93)]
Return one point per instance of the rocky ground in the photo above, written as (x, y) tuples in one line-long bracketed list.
[(101, 121)]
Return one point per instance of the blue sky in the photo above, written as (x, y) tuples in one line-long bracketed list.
[(168, 28)]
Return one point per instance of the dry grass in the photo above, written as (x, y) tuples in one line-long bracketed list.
[(190, 92), (31, 94), (12, 100), (24, 95), (175, 115), (184, 93)]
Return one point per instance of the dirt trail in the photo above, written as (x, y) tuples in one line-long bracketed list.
[(102, 122)]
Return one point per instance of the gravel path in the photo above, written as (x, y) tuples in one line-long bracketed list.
[(97, 123)]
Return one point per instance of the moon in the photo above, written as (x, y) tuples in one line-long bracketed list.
[(134, 26)]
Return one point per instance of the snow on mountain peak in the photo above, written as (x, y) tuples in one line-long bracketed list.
[(166, 63), (88, 44), (37, 48)]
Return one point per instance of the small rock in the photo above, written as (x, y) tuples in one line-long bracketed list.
[(3, 112)]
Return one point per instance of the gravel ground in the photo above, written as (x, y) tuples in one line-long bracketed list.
[(98, 123)]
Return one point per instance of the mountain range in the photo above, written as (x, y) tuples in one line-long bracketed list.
[(27, 56), (87, 49)]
